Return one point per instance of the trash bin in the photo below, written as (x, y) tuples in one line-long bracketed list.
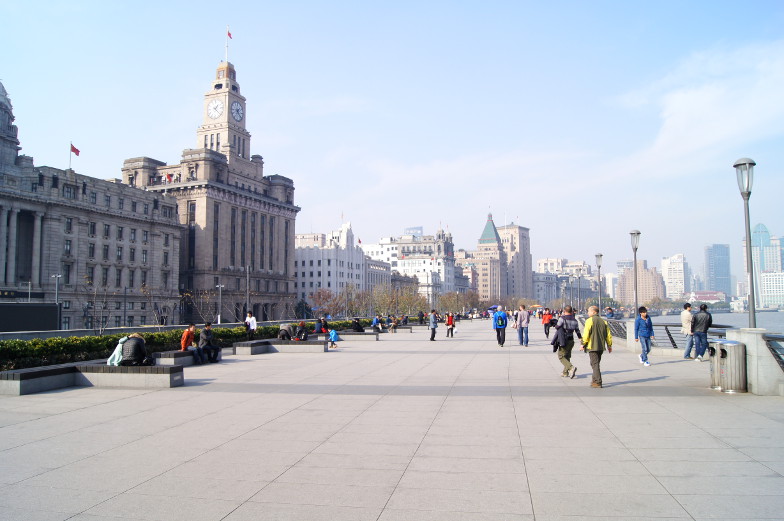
[(715, 352), (733, 367)]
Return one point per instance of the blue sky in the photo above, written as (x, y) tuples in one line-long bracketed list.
[(579, 120)]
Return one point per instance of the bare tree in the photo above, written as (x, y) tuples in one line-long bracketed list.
[(95, 304)]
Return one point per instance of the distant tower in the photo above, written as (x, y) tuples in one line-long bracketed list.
[(717, 268)]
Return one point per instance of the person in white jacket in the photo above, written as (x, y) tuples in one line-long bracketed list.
[(250, 325), (686, 330)]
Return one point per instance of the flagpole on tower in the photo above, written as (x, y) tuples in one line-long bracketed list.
[(70, 155), (228, 35)]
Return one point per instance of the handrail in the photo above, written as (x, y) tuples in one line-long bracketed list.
[(775, 343)]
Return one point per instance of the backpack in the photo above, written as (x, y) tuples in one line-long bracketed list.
[(499, 321)]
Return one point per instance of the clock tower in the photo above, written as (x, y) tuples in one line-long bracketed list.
[(223, 127)]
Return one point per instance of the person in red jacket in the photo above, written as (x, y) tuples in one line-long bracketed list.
[(187, 344), (450, 325), (546, 318)]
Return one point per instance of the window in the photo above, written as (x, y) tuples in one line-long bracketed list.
[(165, 239), (144, 279), (67, 247), (105, 276), (117, 321), (91, 229), (145, 235), (119, 233), (166, 258), (118, 277), (119, 253), (117, 305), (68, 225), (130, 321), (130, 305), (131, 274), (90, 275), (133, 206), (237, 282), (165, 280), (120, 203), (93, 198), (107, 200), (66, 304), (144, 256), (91, 250), (132, 254), (66, 323), (167, 211), (133, 234), (106, 230), (143, 320), (66, 274), (105, 252), (142, 305), (146, 209), (69, 191)]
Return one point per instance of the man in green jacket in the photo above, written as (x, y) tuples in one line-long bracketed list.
[(596, 336)]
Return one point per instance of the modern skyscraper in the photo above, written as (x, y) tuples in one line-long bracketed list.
[(677, 279), (717, 269)]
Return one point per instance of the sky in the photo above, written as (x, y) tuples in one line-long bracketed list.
[(578, 120)]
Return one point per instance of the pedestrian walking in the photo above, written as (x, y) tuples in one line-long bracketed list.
[(596, 337), (500, 322), (450, 325), (521, 323), (700, 323), (547, 316), (563, 340), (643, 333), (686, 317), (432, 324), (250, 325)]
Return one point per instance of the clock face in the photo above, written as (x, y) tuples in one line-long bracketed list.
[(215, 108), (236, 110)]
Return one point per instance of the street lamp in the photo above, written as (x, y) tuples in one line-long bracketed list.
[(220, 300), (579, 283), (57, 297), (599, 268), (744, 169), (635, 244), (571, 291), (125, 306)]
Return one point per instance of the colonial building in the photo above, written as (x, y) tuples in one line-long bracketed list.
[(109, 253), (650, 285), (490, 262), (239, 223), (516, 243)]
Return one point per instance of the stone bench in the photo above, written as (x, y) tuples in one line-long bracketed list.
[(349, 335), (185, 358), (94, 373), (260, 347)]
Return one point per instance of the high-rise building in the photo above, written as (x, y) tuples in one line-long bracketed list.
[(550, 265), (677, 279), (767, 253), (489, 260), (717, 269), (240, 222), (516, 243), (650, 285)]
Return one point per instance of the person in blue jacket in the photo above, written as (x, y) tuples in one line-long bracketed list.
[(499, 324), (643, 333), (333, 338)]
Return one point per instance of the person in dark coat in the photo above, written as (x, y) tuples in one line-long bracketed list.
[(205, 342), (134, 352)]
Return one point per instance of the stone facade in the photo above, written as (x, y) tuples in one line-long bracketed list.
[(239, 224), (516, 242), (107, 252)]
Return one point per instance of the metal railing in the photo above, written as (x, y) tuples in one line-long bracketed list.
[(776, 345)]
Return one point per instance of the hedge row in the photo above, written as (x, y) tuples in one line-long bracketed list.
[(21, 354)]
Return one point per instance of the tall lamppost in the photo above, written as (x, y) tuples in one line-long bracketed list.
[(125, 306), (635, 244), (571, 290), (579, 283), (744, 169), (599, 268), (247, 289), (57, 296), (220, 300)]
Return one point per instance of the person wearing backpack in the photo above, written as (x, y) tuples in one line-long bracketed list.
[(563, 339), (499, 324)]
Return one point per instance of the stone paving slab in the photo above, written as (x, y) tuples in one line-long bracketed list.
[(400, 429)]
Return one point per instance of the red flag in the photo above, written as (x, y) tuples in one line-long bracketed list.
[(169, 177), (74, 150), (229, 33), (360, 240)]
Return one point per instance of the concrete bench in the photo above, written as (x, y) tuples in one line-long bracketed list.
[(350, 335), (260, 347), (185, 358), (94, 373)]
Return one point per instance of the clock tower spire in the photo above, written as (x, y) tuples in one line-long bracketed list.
[(223, 127)]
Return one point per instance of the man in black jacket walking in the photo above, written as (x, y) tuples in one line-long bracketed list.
[(700, 323)]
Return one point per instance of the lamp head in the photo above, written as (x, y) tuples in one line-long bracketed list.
[(635, 239), (599, 260), (744, 169)]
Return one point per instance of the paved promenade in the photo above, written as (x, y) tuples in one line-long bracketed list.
[(399, 430)]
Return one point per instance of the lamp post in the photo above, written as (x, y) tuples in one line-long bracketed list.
[(125, 306), (579, 283), (29, 290), (635, 234), (744, 169), (57, 296), (220, 300), (599, 268), (247, 289), (571, 291)]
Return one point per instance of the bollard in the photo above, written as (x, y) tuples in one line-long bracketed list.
[(733, 367)]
